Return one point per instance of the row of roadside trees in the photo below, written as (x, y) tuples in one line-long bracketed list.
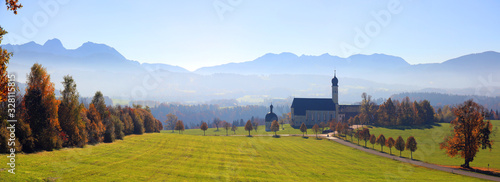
[(471, 132), (399, 143)]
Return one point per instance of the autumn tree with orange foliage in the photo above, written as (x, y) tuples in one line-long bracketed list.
[(400, 145), (41, 107), (315, 129), (95, 128), (411, 144), (381, 141), (179, 126), (365, 135), (12, 5), (339, 128), (373, 140), (333, 125), (390, 143), (275, 126), (470, 132), (138, 120), (358, 135), (149, 122), (4, 60), (204, 127), (109, 125), (303, 128), (249, 127)]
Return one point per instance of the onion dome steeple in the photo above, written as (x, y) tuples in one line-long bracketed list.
[(335, 81)]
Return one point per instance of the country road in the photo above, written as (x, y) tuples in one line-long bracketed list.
[(414, 162)]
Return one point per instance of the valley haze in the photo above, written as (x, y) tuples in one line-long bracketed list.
[(271, 76)]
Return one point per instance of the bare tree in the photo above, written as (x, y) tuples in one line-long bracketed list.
[(234, 128), (217, 122), (227, 126), (171, 121)]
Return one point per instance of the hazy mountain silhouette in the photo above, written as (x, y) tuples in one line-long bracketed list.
[(289, 63), (100, 67)]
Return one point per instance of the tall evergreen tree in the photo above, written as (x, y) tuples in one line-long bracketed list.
[(69, 115), (428, 110), (109, 126)]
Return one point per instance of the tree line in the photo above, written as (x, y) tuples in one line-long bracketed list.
[(394, 113), (45, 122), (194, 115), (440, 100)]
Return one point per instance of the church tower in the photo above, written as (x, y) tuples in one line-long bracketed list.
[(335, 94)]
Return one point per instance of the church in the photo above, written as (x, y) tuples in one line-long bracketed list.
[(313, 111)]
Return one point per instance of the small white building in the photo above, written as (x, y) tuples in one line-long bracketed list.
[(270, 117)]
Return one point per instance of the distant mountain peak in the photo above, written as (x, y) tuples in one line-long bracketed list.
[(96, 48), (53, 44), (489, 57), (93, 45)]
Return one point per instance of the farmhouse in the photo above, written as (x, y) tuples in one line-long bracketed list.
[(312, 111)]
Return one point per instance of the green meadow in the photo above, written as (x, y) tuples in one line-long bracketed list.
[(261, 130), (428, 140), (182, 157)]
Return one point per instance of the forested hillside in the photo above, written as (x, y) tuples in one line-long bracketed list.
[(439, 100)]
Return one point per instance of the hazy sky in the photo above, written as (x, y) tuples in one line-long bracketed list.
[(197, 33)]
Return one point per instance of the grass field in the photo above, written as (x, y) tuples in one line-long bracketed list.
[(174, 157), (428, 146), (241, 131)]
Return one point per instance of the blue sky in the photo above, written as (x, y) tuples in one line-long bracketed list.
[(195, 33)]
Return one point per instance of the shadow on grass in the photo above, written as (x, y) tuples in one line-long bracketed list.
[(481, 171), (249, 136), (319, 139), (305, 137), (276, 136)]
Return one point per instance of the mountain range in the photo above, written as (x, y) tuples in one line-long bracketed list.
[(271, 76)]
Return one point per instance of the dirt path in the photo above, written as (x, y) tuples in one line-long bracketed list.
[(419, 163)]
